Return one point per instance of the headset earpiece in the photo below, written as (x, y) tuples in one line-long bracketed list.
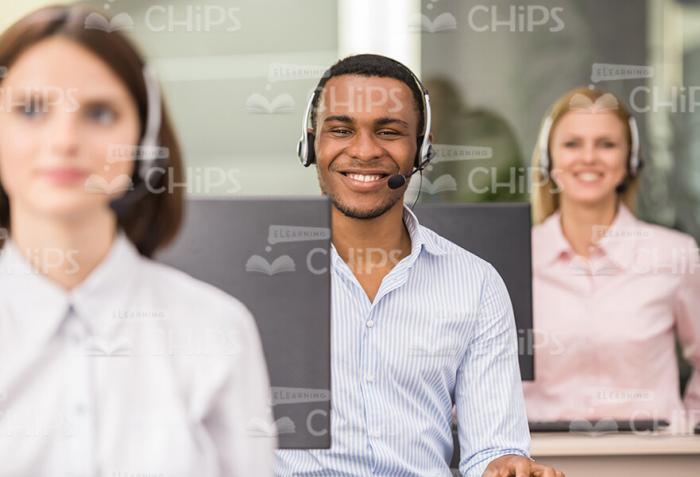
[(305, 147), (417, 160), (635, 162), (311, 152), (543, 143)]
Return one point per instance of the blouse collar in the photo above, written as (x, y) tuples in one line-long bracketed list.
[(618, 242)]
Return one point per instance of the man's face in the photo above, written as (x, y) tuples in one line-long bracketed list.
[(366, 131)]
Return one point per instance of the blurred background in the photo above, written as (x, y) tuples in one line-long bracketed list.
[(237, 75)]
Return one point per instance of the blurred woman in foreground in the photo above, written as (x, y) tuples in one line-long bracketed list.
[(110, 363)]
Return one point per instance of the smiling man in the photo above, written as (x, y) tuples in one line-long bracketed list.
[(418, 323)]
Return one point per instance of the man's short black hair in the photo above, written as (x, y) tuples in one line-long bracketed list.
[(377, 66)]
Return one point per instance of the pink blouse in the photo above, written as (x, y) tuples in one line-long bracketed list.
[(604, 326)]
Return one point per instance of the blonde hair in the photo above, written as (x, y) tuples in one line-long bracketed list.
[(544, 194)]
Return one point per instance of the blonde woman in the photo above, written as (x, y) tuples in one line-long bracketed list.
[(611, 292)]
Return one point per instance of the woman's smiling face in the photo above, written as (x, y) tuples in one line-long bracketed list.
[(590, 151)]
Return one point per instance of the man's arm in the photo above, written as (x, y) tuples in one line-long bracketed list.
[(488, 393)]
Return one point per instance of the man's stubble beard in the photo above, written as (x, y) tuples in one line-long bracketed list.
[(349, 211)]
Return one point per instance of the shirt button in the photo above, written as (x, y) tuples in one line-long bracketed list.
[(375, 433), (369, 378), (370, 323), (80, 409)]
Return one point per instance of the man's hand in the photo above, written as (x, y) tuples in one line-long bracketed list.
[(518, 466)]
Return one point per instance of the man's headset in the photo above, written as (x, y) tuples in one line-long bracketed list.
[(147, 155), (634, 163), (425, 153)]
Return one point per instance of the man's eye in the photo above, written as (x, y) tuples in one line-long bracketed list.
[(609, 144), (101, 114), (341, 131), (388, 133), (570, 144)]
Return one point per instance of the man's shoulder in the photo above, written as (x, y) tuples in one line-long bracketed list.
[(455, 255)]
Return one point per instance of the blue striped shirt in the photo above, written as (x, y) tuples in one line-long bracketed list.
[(439, 331)]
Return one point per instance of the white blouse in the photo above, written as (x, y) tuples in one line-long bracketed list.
[(141, 370)]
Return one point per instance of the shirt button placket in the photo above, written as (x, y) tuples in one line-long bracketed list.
[(368, 372), (79, 415)]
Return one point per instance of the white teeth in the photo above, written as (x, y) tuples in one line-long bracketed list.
[(588, 176), (364, 177)]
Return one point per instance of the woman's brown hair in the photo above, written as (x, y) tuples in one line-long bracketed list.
[(544, 193), (150, 220)]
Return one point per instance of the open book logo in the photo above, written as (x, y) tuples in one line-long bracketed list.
[(443, 22), (280, 104), (99, 185), (443, 183), (103, 348), (606, 102), (121, 21), (263, 428), (259, 264), (594, 427), (285, 425)]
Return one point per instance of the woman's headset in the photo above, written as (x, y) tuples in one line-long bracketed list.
[(148, 149), (147, 158), (425, 153)]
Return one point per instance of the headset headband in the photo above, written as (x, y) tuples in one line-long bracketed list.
[(148, 150), (634, 159)]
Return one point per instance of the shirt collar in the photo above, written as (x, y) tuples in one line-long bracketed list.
[(421, 237), (618, 242), (42, 303)]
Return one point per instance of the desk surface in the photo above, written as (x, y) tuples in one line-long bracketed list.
[(568, 444)]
